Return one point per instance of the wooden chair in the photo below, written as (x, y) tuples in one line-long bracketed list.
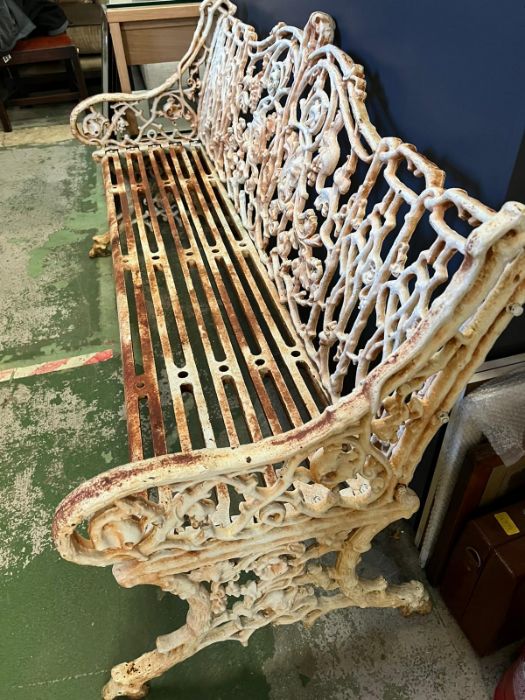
[(45, 49)]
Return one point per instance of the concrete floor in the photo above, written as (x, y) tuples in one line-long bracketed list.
[(64, 626)]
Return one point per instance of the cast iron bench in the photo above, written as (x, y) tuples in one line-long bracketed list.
[(300, 303)]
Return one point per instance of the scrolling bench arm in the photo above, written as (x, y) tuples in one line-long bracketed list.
[(146, 117), (162, 115), (126, 522)]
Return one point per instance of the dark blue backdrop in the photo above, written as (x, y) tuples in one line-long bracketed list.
[(448, 76)]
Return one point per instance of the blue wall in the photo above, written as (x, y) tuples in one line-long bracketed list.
[(446, 76)]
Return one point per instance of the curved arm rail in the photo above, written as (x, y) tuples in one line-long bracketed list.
[(146, 117), (190, 476), (162, 115)]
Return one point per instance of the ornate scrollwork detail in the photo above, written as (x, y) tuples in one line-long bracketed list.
[(164, 115), (95, 124), (360, 473), (397, 410), (124, 526)]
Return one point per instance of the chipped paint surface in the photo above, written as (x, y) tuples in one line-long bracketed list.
[(55, 365), (47, 306), (378, 655), (22, 508), (64, 416), (35, 135)]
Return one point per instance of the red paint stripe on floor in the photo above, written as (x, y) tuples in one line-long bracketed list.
[(49, 366), (101, 356), (54, 365)]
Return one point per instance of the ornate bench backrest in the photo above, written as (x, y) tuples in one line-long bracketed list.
[(357, 232)]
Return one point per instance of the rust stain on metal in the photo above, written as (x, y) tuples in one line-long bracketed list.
[(288, 351)]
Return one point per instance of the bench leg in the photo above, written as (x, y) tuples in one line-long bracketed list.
[(101, 246), (102, 242), (76, 68), (410, 597), (129, 679)]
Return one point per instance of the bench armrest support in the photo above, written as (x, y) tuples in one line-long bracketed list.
[(113, 503), (165, 114)]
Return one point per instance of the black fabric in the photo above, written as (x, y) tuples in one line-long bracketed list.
[(47, 16), (14, 25), (22, 18)]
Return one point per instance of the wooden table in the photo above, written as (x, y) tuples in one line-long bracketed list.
[(143, 32)]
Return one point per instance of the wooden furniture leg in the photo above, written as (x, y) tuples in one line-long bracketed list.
[(122, 70), (4, 118), (120, 56), (79, 75)]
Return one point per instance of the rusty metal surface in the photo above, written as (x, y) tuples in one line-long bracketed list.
[(300, 301), (198, 334)]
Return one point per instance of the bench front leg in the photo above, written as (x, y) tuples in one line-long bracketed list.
[(130, 679), (409, 597)]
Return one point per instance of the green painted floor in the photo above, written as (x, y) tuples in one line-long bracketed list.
[(64, 626), (54, 301)]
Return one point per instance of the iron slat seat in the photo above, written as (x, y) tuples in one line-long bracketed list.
[(210, 356)]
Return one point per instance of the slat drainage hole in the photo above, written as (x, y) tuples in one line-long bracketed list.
[(183, 374), (140, 385), (223, 368), (189, 252), (296, 353), (259, 361), (155, 257), (214, 250)]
